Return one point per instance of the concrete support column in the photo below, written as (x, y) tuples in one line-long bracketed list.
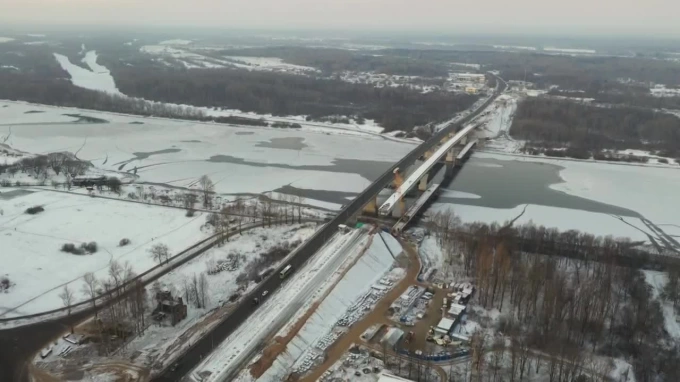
[(399, 209), (422, 185), (450, 156), (463, 140)]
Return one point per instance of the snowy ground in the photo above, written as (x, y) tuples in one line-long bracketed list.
[(31, 244), (177, 153), (282, 305), (658, 280), (159, 345), (310, 341)]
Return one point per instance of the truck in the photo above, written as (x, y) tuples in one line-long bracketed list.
[(285, 271)]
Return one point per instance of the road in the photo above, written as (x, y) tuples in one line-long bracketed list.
[(308, 249)]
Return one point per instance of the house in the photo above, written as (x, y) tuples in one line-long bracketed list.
[(169, 307)]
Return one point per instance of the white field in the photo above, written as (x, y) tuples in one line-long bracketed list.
[(570, 51), (5, 39), (268, 63), (31, 244), (108, 145), (98, 78)]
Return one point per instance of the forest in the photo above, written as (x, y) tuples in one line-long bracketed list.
[(571, 308), (331, 61), (567, 72), (550, 123), (41, 80), (396, 108)]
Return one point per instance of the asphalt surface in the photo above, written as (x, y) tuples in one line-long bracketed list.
[(17, 345), (303, 253)]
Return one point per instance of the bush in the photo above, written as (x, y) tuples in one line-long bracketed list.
[(663, 160), (72, 249), (90, 247), (5, 183), (83, 249), (5, 283), (35, 210), (190, 213), (123, 242)]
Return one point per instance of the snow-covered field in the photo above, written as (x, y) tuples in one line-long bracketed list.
[(97, 78), (268, 64), (569, 51), (177, 153), (31, 244)]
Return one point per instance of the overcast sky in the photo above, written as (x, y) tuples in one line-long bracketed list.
[(604, 16)]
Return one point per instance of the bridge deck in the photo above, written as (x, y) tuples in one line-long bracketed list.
[(413, 179), (465, 150), (413, 210)]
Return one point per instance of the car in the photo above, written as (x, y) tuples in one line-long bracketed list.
[(265, 293), (174, 367)]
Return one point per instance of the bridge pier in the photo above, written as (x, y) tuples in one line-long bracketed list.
[(372, 206), (422, 185), (399, 209)]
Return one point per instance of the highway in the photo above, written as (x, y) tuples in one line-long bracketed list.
[(303, 253)]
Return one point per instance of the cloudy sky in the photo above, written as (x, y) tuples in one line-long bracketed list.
[(605, 16)]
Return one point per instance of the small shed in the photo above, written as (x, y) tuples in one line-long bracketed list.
[(392, 337)]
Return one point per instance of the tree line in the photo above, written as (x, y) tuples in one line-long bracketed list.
[(551, 123), (572, 309), (331, 61), (545, 70)]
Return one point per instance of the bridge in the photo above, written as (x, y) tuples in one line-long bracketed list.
[(421, 174)]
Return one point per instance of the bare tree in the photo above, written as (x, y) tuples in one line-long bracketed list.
[(160, 253), (90, 289), (67, 299), (207, 188), (203, 289)]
